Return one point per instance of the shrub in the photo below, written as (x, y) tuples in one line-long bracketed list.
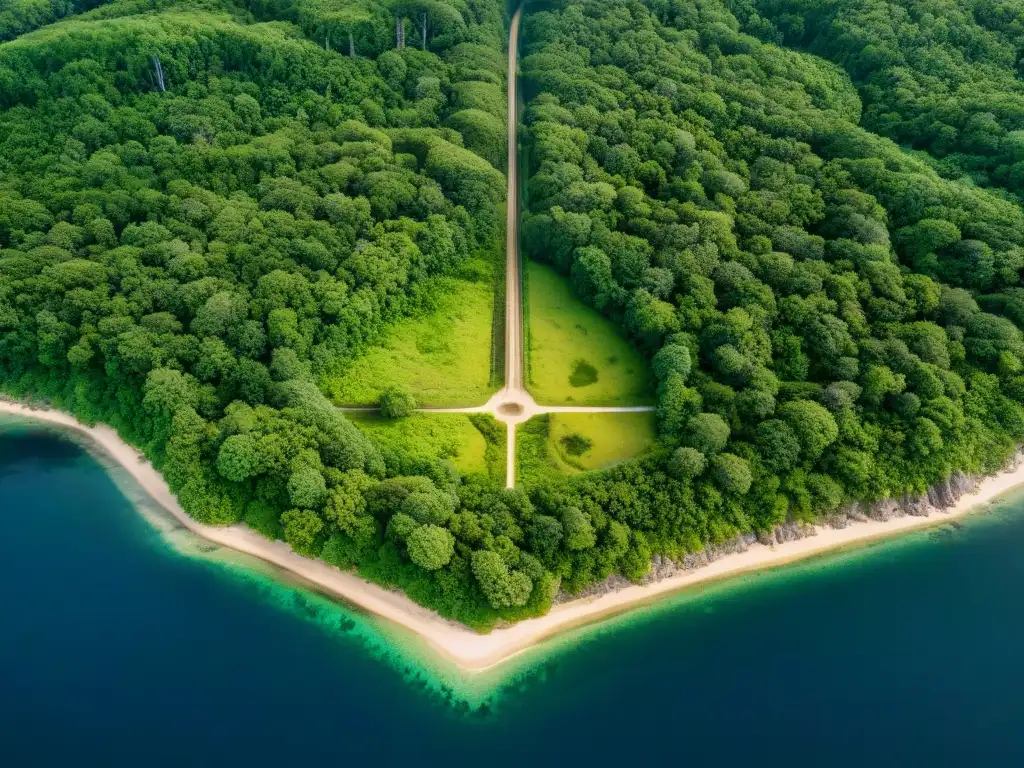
[(396, 403), (430, 547)]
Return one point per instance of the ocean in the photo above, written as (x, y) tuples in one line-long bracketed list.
[(125, 642)]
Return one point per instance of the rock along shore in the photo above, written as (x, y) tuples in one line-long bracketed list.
[(939, 499)]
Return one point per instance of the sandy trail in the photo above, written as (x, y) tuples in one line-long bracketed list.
[(455, 642), (513, 289), (514, 390)]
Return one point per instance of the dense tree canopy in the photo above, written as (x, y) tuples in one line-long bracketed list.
[(940, 75), (830, 318)]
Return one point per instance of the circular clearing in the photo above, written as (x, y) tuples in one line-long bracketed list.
[(510, 409)]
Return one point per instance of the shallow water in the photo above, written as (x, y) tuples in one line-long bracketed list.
[(118, 649)]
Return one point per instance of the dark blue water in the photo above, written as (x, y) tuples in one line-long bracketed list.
[(115, 650)]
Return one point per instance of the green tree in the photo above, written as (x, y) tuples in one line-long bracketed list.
[(429, 507), (672, 358), (238, 458), (301, 528), (676, 405), (396, 403), (731, 473), (579, 533), (307, 487), (546, 534), (401, 526), (778, 445), (815, 428), (430, 547), (707, 433), (502, 588), (687, 463)]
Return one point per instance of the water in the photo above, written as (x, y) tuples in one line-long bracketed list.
[(118, 650)]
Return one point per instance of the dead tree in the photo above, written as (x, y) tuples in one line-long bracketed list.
[(399, 32), (159, 74), (351, 45), (424, 30)]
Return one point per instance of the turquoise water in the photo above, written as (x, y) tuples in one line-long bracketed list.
[(124, 643)]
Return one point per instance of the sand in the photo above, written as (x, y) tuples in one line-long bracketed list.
[(467, 649)]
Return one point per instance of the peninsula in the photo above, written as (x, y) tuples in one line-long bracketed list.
[(459, 312)]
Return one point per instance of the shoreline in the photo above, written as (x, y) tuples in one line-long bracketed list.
[(474, 652)]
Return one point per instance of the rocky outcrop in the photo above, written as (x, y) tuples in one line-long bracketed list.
[(709, 554), (789, 531), (663, 568), (939, 497)]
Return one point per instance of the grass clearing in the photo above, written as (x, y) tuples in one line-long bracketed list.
[(584, 441), (442, 357), (570, 443), (576, 356), (472, 442)]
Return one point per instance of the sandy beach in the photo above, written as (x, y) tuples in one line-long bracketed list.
[(469, 650)]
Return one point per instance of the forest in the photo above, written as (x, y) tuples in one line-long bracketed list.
[(937, 75), (832, 316), (208, 209)]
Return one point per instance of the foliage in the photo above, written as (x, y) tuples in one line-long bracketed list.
[(829, 318), (576, 444), (943, 77), (396, 403), (430, 546), (503, 588), (707, 432), (686, 463), (20, 16)]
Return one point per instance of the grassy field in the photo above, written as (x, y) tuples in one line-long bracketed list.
[(442, 357), (473, 443), (576, 356), (570, 443)]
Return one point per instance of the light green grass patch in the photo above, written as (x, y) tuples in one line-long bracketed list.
[(442, 357), (584, 441), (576, 356), (451, 436), (570, 443)]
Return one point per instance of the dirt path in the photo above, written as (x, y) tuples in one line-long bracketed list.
[(513, 288)]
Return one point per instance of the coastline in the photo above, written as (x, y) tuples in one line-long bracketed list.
[(474, 652)]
